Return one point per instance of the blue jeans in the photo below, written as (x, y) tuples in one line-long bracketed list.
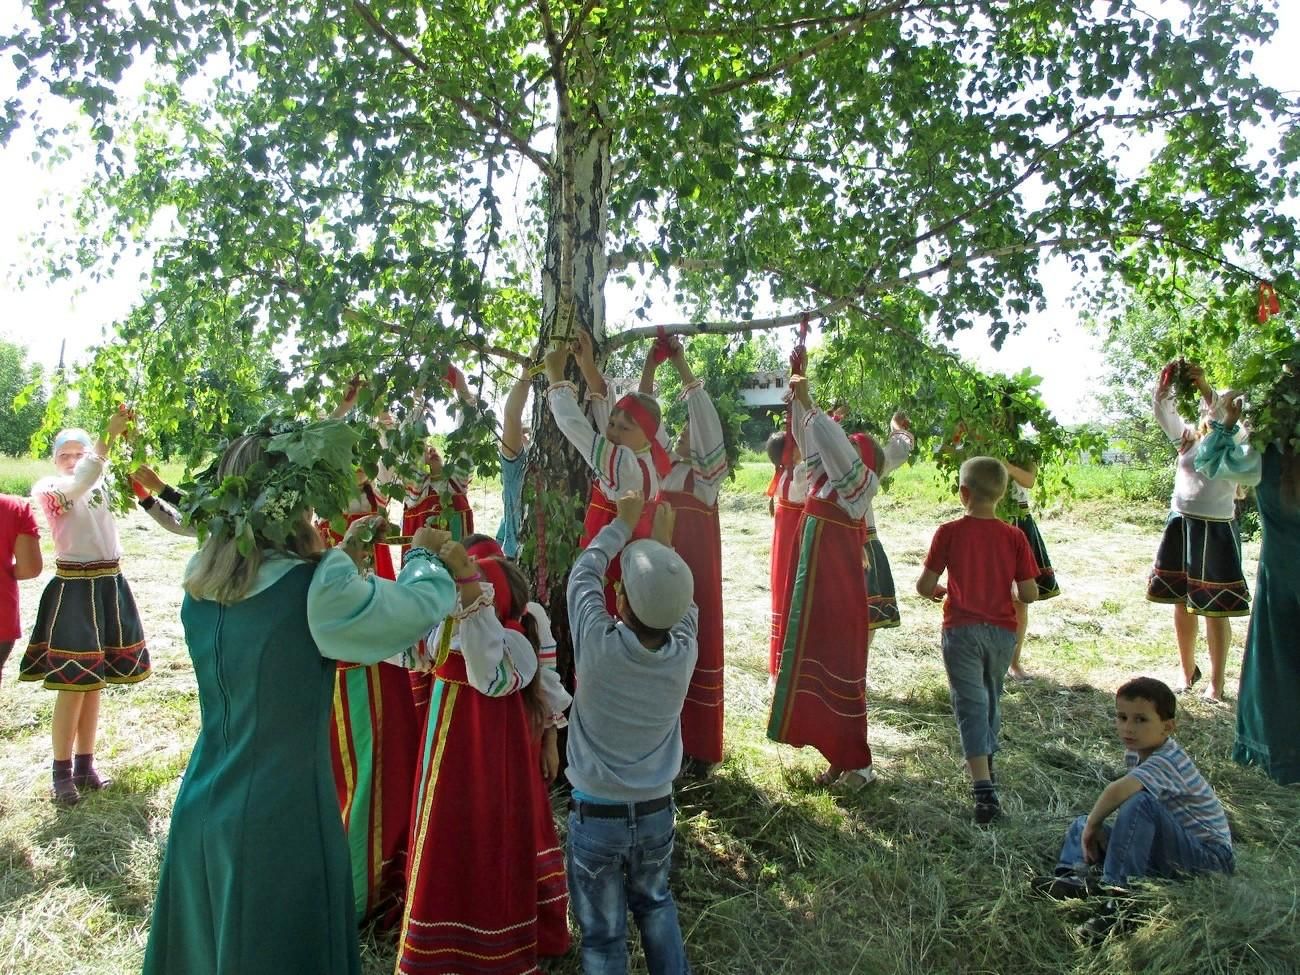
[(1144, 841), (976, 658), (617, 864)]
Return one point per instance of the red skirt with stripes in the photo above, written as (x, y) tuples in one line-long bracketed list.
[(486, 891), (785, 557), (821, 697), (697, 537), (373, 751)]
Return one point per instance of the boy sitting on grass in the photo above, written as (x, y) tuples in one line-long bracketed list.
[(1168, 820), (983, 556)]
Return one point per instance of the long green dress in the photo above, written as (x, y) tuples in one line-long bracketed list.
[(1268, 719), (257, 879)]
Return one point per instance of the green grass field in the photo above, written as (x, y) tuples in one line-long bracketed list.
[(773, 875)]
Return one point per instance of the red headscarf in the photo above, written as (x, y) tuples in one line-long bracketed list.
[(502, 599), (485, 548), (870, 452), (642, 417)]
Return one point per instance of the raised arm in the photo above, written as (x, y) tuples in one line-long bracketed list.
[(588, 618), (366, 619), (708, 449), (648, 369), (349, 397), (831, 452), (497, 661), (1165, 410), (512, 420), (900, 444), (584, 352), (1024, 476), (610, 462)]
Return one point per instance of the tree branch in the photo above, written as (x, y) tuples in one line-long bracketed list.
[(620, 339), (830, 40), (469, 108)]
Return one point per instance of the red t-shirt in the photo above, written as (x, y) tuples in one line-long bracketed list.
[(15, 519), (984, 557)]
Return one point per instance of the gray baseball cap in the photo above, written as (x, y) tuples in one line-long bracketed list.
[(658, 584)]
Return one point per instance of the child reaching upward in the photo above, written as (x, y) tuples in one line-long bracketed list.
[(87, 632), (633, 668), (820, 697), (626, 456), (983, 557), (691, 488), (1198, 562), (786, 496), (486, 889)]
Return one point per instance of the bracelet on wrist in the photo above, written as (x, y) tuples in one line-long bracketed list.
[(419, 552), (466, 580)]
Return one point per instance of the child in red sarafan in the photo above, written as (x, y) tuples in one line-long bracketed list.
[(20, 558)]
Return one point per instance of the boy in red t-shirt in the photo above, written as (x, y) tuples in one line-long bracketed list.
[(983, 556), (20, 558)]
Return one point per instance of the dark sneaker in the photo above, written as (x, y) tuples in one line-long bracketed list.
[(1111, 918), (1063, 887), (986, 812)]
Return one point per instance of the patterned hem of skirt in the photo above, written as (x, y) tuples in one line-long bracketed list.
[(57, 686)]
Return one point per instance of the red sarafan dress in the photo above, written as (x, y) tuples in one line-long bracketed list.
[(486, 891), (691, 487), (820, 697), (423, 506), (789, 492), (373, 749)]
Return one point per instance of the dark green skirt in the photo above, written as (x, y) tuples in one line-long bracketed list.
[(882, 600), (1047, 584), (87, 631), (1198, 564)]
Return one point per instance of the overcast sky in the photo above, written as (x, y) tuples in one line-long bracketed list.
[(42, 316)]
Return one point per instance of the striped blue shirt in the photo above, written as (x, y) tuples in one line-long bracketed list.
[(1169, 775)]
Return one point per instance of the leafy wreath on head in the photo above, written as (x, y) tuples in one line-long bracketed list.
[(1275, 417), (307, 465)]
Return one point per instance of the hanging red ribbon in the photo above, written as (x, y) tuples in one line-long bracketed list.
[(1268, 303), (663, 348)]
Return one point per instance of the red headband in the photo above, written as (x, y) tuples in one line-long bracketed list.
[(869, 451), (501, 597), (634, 408), (485, 548)]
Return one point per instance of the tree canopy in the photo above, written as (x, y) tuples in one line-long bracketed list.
[(22, 399), (362, 187)]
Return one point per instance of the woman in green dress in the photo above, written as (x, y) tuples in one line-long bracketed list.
[(256, 878), (1268, 729)]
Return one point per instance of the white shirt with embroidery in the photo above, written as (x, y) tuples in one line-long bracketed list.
[(708, 460), (76, 508)]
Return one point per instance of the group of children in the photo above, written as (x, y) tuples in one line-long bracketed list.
[(441, 754)]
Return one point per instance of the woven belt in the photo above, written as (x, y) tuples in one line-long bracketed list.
[(602, 810)]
